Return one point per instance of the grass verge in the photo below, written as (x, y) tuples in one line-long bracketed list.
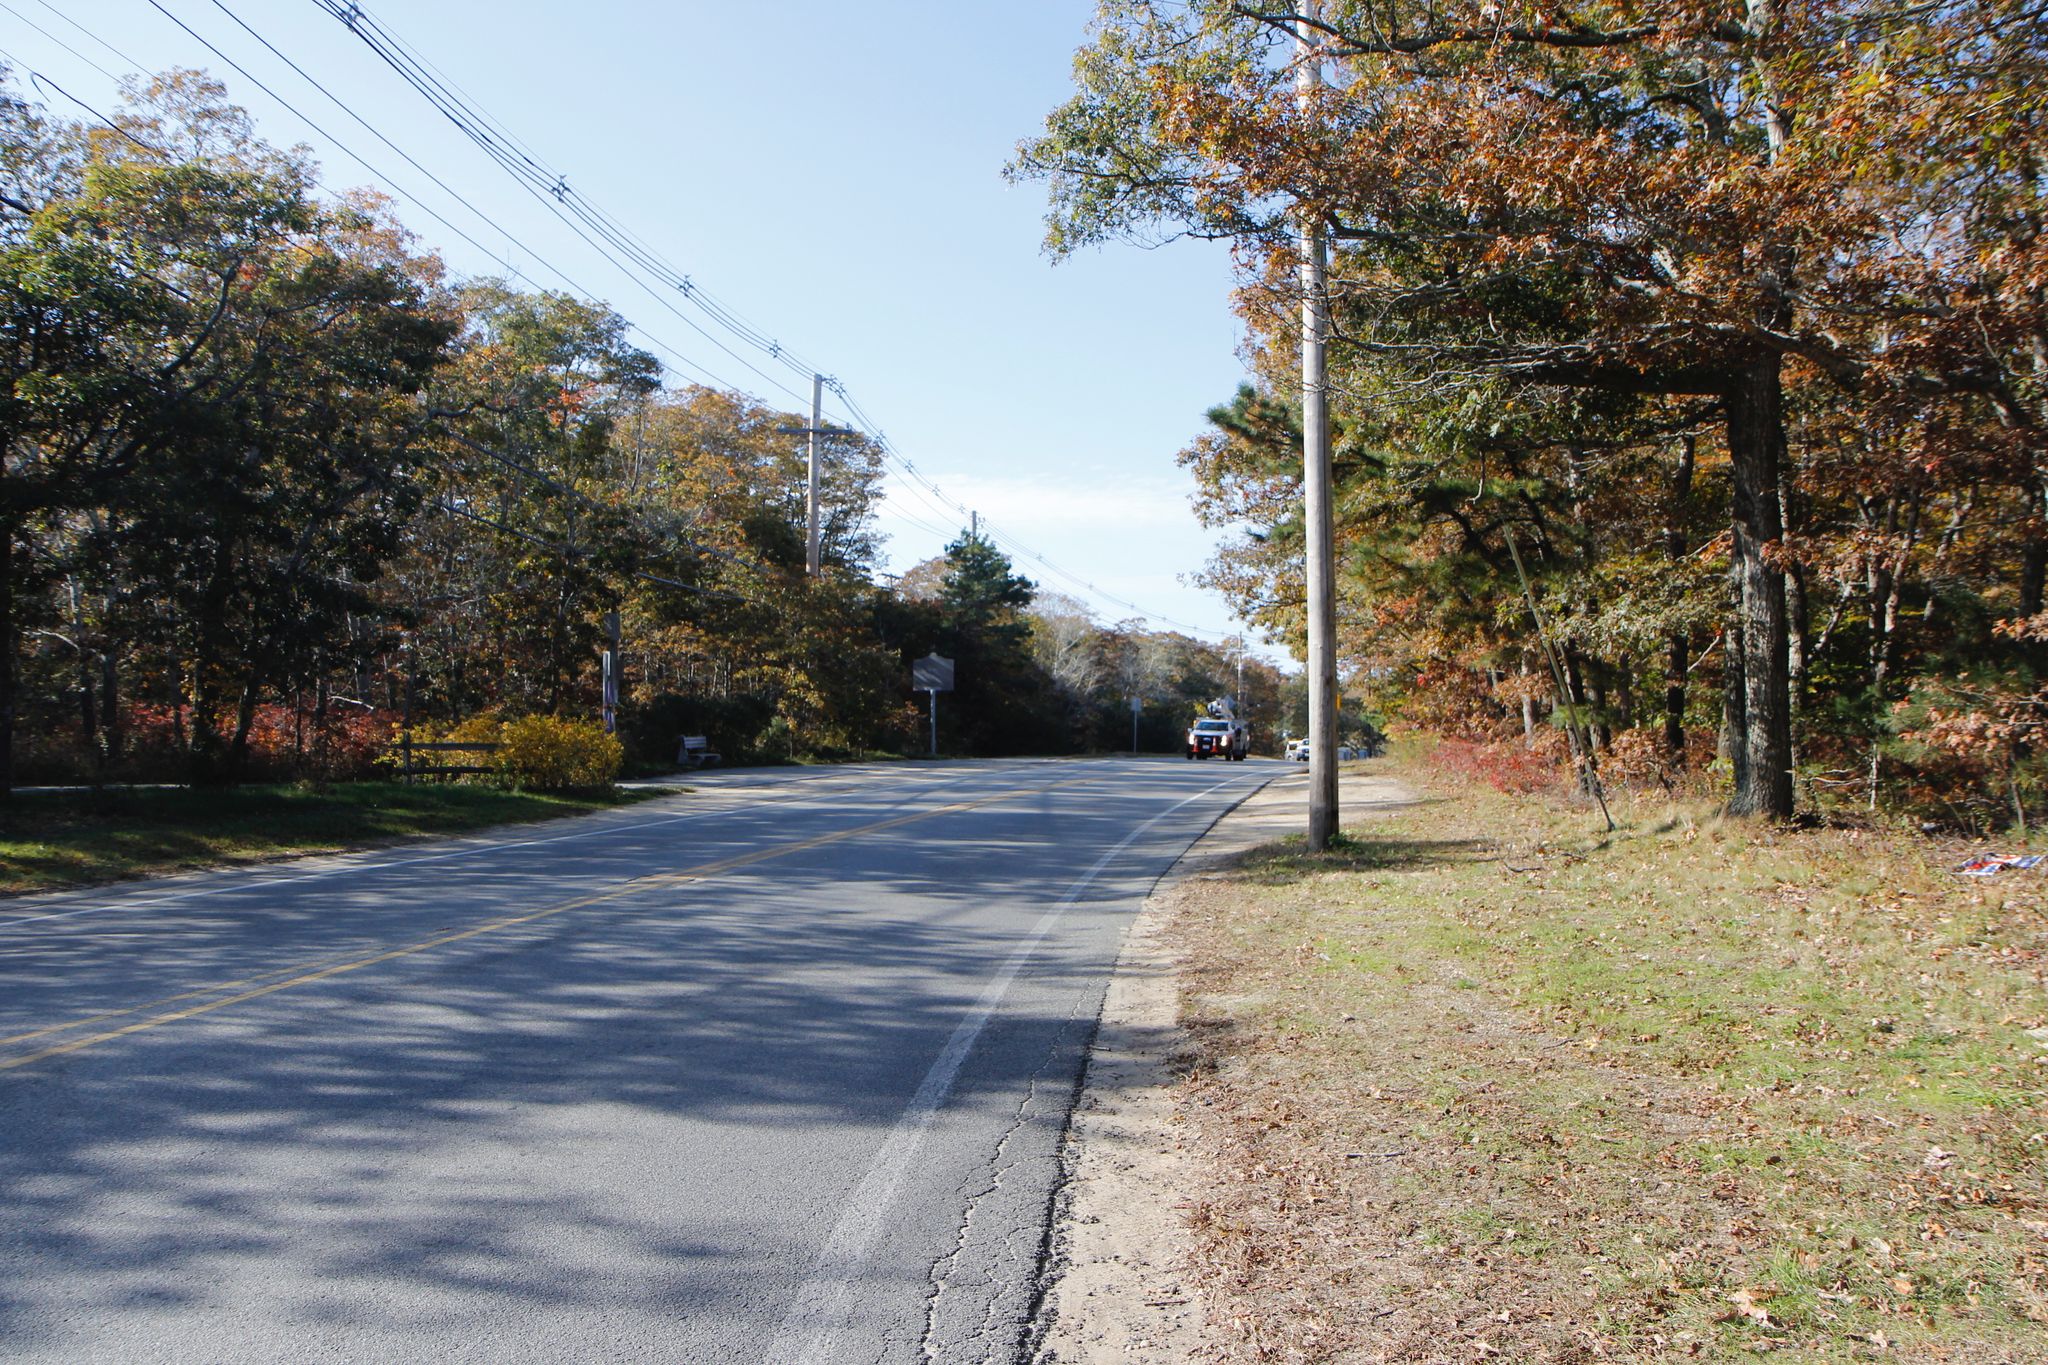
[(1479, 1084), (53, 840)]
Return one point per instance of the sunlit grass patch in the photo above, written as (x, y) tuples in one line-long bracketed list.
[(1693, 1089)]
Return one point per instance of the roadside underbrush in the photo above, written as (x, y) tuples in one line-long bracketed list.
[(53, 840), (1483, 1084)]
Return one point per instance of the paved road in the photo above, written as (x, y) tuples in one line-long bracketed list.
[(774, 1069)]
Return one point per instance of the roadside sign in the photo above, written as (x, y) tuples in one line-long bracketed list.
[(1137, 705), (932, 674), (611, 691)]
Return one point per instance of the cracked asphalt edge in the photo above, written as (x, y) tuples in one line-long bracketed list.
[(1110, 1281), (1113, 1281), (979, 1294)]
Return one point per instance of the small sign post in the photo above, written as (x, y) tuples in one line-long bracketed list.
[(1137, 705), (932, 674), (610, 676)]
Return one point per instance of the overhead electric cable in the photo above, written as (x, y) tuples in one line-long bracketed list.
[(520, 160), (516, 157), (39, 80), (555, 196), (529, 470), (691, 369), (606, 235)]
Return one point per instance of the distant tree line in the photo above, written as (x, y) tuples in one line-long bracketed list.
[(275, 482), (1730, 319)]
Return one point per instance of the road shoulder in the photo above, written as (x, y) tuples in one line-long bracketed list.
[(1117, 1290)]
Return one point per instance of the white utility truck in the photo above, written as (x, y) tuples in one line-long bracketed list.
[(1220, 734)]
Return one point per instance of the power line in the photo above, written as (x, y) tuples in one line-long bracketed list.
[(553, 190), (522, 161), (528, 470), (675, 359), (440, 504)]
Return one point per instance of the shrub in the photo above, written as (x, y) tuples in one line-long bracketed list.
[(548, 753), (537, 753), (1508, 766), (1637, 759)]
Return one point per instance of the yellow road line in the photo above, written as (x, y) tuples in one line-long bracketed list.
[(633, 887), (213, 989)]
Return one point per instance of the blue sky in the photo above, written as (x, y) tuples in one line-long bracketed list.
[(832, 173)]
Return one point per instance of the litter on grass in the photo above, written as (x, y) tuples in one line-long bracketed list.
[(1991, 864)]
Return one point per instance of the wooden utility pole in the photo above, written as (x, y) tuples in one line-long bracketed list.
[(1315, 472), (814, 554)]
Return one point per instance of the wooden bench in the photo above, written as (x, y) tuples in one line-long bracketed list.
[(696, 752)]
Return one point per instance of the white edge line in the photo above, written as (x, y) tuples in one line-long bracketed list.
[(809, 1329)]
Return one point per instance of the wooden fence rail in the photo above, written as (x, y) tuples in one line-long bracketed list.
[(408, 746)]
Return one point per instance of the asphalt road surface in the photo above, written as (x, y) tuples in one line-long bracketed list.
[(773, 1070)]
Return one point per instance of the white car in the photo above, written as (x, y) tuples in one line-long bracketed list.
[(1297, 750)]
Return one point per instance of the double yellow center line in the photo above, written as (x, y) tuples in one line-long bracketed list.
[(304, 974)]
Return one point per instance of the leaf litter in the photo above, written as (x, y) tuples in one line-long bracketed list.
[(1703, 1091)]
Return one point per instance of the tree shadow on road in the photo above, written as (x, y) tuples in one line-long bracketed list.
[(381, 1152)]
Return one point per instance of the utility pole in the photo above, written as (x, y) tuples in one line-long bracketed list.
[(1315, 471), (814, 555), (609, 697)]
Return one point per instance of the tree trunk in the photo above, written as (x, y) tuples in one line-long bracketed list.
[(88, 707), (1887, 587), (1798, 618), (2034, 556), (1734, 691), (1603, 733), (1528, 709), (113, 736), (214, 761), (7, 679), (321, 748), (1677, 646), (1676, 651), (245, 718), (1756, 446)]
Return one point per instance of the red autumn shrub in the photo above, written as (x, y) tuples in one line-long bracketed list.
[(1508, 765)]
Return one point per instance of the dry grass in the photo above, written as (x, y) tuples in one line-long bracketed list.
[(1480, 1085)]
